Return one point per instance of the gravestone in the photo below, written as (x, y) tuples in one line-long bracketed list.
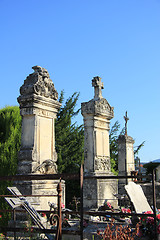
[(137, 197), (97, 114), (37, 155)]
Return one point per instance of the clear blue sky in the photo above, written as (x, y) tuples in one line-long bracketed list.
[(75, 40)]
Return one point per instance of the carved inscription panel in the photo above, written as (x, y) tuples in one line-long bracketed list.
[(27, 140), (45, 138), (102, 143)]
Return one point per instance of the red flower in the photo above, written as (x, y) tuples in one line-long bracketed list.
[(148, 212), (126, 210), (158, 216), (62, 205), (0, 216), (109, 205), (43, 214)]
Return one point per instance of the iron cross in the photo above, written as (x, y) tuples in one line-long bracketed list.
[(98, 86), (126, 120)]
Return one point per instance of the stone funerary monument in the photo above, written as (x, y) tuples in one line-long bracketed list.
[(97, 114), (38, 108)]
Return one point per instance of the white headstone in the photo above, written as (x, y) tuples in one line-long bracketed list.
[(137, 197)]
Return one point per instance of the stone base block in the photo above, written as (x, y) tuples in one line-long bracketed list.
[(41, 188), (121, 185), (97, 191)]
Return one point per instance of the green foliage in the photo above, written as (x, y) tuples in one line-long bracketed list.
[(69, 136), (10, 138), (113, 140), (69, 143), (138, 148)]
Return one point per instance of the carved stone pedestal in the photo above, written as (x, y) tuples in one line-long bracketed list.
[(97, 191), (42, 188)]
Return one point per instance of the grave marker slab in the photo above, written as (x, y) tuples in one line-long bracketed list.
[(137, 197)]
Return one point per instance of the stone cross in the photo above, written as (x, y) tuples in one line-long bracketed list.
[(126, 120), (98, 86)]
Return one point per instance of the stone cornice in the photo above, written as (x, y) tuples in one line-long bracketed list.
[(99, 107), (125, 139), (33, 101)]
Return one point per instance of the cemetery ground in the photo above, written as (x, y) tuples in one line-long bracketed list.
[(103, 223)]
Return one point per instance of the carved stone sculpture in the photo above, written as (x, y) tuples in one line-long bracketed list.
[(46, 167), (98, 107), (39, 83)]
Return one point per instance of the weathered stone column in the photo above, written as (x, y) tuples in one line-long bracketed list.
[(38, 108), (97, 114), (125, 158)]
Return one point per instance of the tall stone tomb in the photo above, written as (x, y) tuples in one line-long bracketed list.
[(37, 155), (97, 114), (126, 163)]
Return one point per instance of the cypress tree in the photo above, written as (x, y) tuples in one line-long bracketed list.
[(69, 136), (69, 143), (10, 139)]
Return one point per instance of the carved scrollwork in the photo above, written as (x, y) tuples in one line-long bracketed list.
[(102, 164), (47, 167), (101, 107), (39, 83)]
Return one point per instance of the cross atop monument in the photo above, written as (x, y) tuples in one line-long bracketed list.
[(98, 86), (126, 120)]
